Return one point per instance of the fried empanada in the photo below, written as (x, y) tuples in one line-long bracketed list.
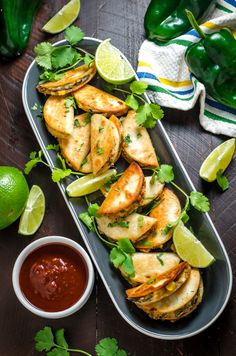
[(76, 148), (156, 283), (181, 303), (133, 227), (94, 100), (148, 265), (137, 145), (58, 117), (157, 295), (102, 143), (72, 80), (125, 194), (117, 133), (168, 211)]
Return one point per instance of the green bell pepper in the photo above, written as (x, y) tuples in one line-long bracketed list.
[(165, 20), (16, 17), (212, 60)]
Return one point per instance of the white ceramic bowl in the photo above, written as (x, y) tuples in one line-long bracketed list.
[(35, 245)]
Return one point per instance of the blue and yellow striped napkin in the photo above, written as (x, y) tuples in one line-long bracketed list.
[(172, 85)]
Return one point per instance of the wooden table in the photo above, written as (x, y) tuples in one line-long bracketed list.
[(122, 21)]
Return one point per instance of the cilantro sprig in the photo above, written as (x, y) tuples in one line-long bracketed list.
[(121, 251), (57, 173), (55, 60), (56, 345), (197, 200), (222, 180), (146, 114)]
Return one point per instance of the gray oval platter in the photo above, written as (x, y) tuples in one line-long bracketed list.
[(217, 278)]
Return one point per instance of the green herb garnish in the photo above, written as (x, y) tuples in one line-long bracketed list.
[(222, 180), (57, 173), (124, 224), (56, 345), (160, 259), (99, 150), (127, 139), (56, 60)]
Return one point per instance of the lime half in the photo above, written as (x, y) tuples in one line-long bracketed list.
[(218, 159), (111, 65), (34, 212), (190, 249), (89, 183), (63, 18)]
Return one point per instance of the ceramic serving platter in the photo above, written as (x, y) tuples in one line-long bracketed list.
[(217, 278)]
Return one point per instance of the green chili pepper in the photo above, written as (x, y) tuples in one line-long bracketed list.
[(212, 60), (16, 17), (165, 20)]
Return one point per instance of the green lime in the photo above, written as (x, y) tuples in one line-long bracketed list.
[(111, 65), (190, 249), (218, 159), (34, 212), (14, 192), (63, 18), (89, 183)]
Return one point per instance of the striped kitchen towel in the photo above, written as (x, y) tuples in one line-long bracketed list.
[(171, 84)]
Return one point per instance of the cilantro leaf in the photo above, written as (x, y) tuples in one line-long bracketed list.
[(199, 201), (92, 210), (59, 174), (142, 113), (87, 220), (70, 101), (140, 221), (165, 173), (58, 352), (128, 265), (99, 151), (168, 227), (60, 338), (43, 52), (159, 257), (124, 224), (50, 76), (222, 180), (132, 102), (156, 111), (73, 35), (35, 158), (87, 60), (109, 347), (117, 257), (54, 147), (127, 139), (44, 339), (148, 114), (126, 245), (138, 87), (63, 56)]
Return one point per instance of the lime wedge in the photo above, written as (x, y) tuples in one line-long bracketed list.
[(89, 183), (218, 159), (34, 212), (63, 18), (111, 65), (190, 249)]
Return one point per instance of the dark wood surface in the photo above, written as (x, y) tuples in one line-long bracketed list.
[(122, 21)]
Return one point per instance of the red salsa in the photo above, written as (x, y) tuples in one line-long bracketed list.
[(53, 277)]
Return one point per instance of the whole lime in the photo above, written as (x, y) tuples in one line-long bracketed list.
[(14, 192)]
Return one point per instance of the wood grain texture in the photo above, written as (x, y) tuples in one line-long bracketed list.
[(122, 21)]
